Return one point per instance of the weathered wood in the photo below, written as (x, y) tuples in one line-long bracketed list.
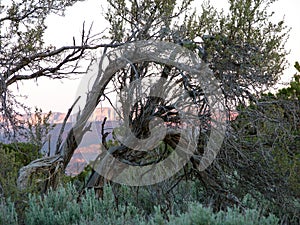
[(43, 165)]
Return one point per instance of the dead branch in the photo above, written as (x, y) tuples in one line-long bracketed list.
[(59, 139)]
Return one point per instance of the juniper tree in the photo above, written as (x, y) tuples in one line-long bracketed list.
[(246, 54)]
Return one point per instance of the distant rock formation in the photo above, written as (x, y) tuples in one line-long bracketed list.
[(98, 115)]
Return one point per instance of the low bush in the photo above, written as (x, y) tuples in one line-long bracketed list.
[(8, 214), (65, 206)]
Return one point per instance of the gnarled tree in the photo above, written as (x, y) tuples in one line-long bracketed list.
[(246, 53)]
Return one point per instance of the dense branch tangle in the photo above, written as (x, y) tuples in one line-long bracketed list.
[(161, 91), (142, 107)]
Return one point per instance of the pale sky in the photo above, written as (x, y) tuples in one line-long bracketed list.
[(58, 95)]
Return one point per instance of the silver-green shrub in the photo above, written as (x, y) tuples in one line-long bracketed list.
[(62, 207), (8, 214)]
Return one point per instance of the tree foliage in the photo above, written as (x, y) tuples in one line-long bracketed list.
[(12, 158), (264, 150), (39, 128)]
